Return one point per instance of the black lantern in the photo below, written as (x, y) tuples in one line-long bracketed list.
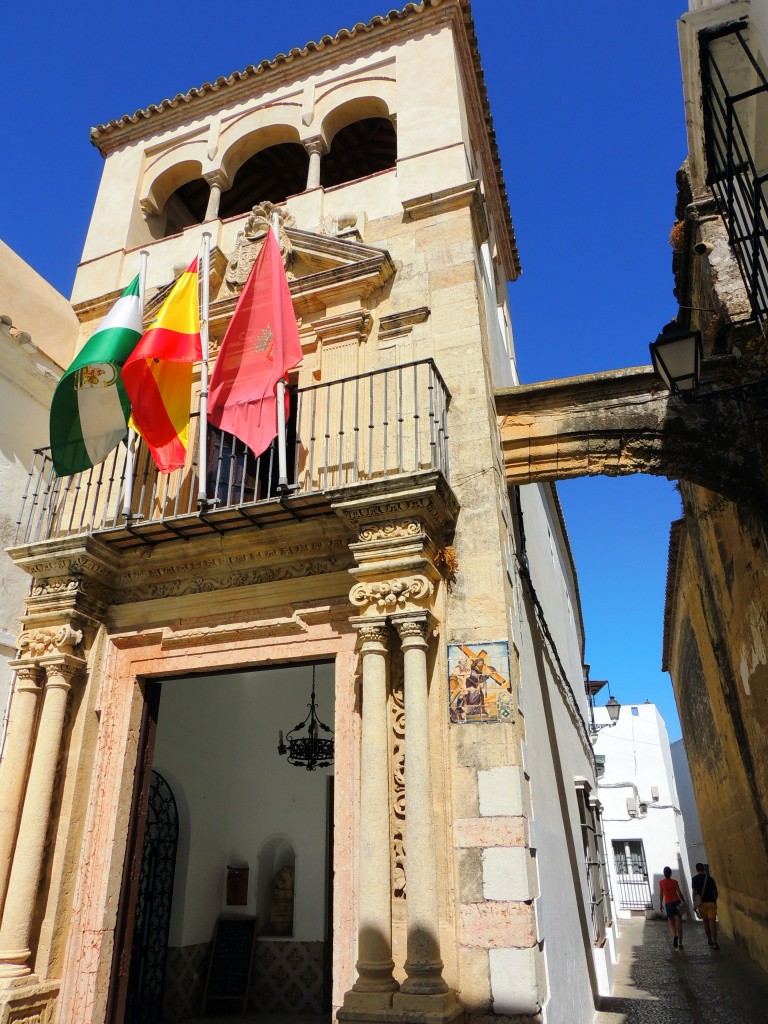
[(306, 748), (676, 356), (613, 708)]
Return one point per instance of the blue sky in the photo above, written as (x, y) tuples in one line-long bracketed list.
[(587, 107)]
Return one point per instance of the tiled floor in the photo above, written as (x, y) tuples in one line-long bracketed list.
[(656, 984)]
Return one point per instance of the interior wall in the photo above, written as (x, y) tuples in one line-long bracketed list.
[(216, 744)]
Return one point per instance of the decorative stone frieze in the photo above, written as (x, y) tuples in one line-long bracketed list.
[(392, 595), (390, 531), (397, 761)]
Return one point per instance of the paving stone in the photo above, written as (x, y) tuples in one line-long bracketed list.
[(657, 984)]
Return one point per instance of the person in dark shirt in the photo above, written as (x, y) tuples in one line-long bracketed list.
[(705, 888)]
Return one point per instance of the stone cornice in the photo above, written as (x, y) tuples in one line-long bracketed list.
[(372, 508), (399, 325), (85, 574), (340, 270)]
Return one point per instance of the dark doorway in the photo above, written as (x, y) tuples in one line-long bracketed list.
[(152, 916)]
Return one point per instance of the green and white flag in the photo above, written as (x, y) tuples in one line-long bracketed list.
[(90, 409)]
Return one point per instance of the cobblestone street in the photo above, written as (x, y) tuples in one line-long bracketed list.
[(655, 984)]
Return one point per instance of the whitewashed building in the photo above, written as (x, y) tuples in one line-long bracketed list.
[(38, 329), (644, 829)]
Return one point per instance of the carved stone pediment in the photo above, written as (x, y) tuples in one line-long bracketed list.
[(250, 240), (322, 269)]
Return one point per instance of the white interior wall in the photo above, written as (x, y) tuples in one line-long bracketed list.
[(217, 747)]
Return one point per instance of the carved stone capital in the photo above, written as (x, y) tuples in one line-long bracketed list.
[(374, 633), (59, 673), (51, 640), (218, 179), (392, 595), (315, 145), (413, 630), (27, 675)]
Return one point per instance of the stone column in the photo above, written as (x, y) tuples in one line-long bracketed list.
[(28, 855), (13, 772), (219, 183), (424, 988), (316, 148), (375, 982)]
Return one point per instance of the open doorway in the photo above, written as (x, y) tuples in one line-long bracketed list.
[(253, 840)]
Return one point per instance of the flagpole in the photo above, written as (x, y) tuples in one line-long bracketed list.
[(202, 498), (128, 491), (282, 479)]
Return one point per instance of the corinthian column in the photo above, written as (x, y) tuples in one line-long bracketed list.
[(13, 772), (28, 855), (375, 982), (424, 988)]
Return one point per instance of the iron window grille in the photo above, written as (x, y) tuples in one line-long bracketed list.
[(735, 99)]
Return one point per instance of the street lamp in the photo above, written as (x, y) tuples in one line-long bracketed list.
[(676, 356), (613, 708)]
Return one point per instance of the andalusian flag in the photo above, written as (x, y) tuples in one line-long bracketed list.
[(90, 409), (158, 375)]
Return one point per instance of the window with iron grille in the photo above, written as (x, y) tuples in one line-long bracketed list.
[(594, 863), (735, 98)]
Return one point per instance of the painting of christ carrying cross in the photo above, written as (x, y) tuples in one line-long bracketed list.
[(480, 689)]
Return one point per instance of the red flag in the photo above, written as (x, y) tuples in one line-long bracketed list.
[(260, 346)]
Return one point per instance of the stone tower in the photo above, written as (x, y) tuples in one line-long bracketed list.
[(395, 553)]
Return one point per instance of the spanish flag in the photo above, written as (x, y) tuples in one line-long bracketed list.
[(158, 374)]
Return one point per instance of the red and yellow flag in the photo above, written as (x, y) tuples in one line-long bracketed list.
[(158, 374)]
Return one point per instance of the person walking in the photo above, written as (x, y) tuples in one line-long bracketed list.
[(671, 902), (705, 899)]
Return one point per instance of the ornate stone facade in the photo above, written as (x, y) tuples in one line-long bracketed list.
[(375, 571)]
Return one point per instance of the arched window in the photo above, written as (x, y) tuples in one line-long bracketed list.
[(272, 174), (359, 149), (186, 206)]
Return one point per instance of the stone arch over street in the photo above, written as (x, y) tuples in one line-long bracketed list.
[(625, 421)]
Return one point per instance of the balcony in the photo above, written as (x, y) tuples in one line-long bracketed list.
[(735, 99), (368, 427)]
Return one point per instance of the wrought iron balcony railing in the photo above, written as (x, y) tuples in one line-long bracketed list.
[(386, 423), (735, 96)]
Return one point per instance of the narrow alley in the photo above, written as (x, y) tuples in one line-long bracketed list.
[(655, 984)]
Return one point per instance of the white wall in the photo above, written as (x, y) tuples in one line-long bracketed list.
[(637, 758), (216, 745), (554, 757)]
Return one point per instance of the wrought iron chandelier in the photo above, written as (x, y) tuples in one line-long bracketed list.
[(306, 748)]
